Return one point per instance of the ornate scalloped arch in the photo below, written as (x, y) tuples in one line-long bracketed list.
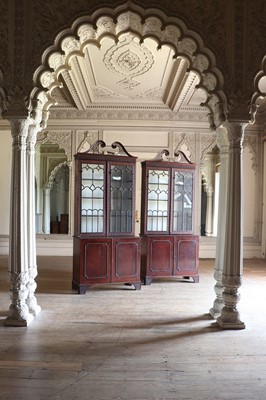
[(260, 87), (54, 172), (152, 23)]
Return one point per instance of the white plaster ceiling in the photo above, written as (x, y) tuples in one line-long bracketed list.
[(128, 73)]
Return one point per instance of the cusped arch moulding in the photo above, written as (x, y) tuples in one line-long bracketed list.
[(152, 23)]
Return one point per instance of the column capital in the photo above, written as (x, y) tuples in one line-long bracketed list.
[(33, 131), (235, 134)]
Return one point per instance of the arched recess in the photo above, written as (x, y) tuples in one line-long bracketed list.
[(58, 183), (133, 23)]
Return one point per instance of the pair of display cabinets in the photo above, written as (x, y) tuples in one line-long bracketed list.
[(106, 249)]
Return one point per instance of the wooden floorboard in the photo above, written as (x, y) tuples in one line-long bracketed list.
[(115, 343)]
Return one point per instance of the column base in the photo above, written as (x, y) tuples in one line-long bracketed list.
[(230, 324), (9, 321), (214, 314), (35, 311), (216, 310)]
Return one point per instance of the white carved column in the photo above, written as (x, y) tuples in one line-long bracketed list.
[(233, 249), (19, 314), (46, 209), (209, 214), (34, 308), (218, 304)]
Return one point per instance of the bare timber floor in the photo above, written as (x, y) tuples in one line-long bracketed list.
[(115, 343)]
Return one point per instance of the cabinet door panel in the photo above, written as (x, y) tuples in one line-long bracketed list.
[(126, 260), (160, 256), (97, 259), (186, 260)]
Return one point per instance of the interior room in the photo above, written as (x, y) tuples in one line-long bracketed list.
[(132, 218)]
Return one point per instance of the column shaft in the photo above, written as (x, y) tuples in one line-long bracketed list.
[(233, 250), (209, 212), (34, 308), (18, 247), (46, 210), (218, 304)]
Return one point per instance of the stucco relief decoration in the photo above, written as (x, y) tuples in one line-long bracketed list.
[(130, 59), (152, 26), (201, 63), (63, 139), (85, 139), (70, 44), (209, 81), (86, 32), (129, 21), (47, 79), (56, 60), (105, 25), (152, 93), (251, 143), (103, 92), (187, 47), (157, 114), (183, 139), (207, 143), (171, 35)]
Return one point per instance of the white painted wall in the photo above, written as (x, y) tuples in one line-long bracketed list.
[(250, 196)]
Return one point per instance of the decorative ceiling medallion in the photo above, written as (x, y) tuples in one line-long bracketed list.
[(130, 59)]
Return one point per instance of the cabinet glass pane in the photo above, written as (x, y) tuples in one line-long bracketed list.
[(183, 197), (92, 198), (121, 199), (158, 194)]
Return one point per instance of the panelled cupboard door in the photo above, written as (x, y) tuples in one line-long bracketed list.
[(186, 255), (126, 260), (160, 256), (97, 255)]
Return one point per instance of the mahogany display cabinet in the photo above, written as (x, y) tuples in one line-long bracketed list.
[(105, 247), (169, 246)]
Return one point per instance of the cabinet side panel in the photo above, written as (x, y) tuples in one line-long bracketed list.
[(96, 261), (187, 255), (160, 257), (77, 263), (126, 260)]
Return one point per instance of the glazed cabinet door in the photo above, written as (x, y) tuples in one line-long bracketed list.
[(92, 198), (182, 201), (156, 201), (121, 199)]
